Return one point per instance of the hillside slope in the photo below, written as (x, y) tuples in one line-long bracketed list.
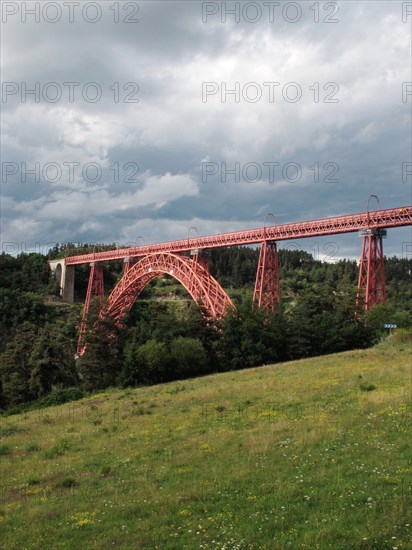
[(308, 454)]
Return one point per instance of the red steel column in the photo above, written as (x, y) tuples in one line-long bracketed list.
[(95, 288), (267, 286), (371, 281), (200, 259)]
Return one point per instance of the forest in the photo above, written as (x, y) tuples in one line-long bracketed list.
[(165, 336)]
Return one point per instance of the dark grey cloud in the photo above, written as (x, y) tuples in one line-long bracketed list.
[(362, 61)]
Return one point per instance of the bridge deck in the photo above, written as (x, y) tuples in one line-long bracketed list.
[(392, 217)]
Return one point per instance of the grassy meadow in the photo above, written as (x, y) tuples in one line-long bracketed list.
[(312, 454)]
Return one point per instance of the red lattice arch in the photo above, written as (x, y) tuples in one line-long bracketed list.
[(204, 289)]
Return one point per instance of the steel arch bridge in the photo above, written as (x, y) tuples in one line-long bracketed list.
[(195, 277), (144, 263)]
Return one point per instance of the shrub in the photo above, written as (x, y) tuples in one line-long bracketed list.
[(67, 482), (367, 387), (145, 364), (33, 480), (60, 448), (58, 396), (10, 429), (4, 450), (189, 356)]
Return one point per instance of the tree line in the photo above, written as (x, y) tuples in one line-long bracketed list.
[(165, 339)]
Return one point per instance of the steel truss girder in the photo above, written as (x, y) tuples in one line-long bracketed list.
[(192, 274), (267, 286), (392, 217), (95, 289), (371, 281)]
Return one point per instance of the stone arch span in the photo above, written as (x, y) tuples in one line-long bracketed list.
[(203, 288)]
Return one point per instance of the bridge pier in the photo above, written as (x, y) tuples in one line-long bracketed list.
[(267, 286), (371, 282), (199, 259), (64, 275), (126, 265)]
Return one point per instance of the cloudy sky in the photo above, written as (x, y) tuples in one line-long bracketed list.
[(135, 121)]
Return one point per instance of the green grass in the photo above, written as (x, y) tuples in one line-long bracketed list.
[(289, 456)]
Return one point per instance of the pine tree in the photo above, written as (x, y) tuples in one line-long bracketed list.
[(101, 363), (14, 366), (51, 362)]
